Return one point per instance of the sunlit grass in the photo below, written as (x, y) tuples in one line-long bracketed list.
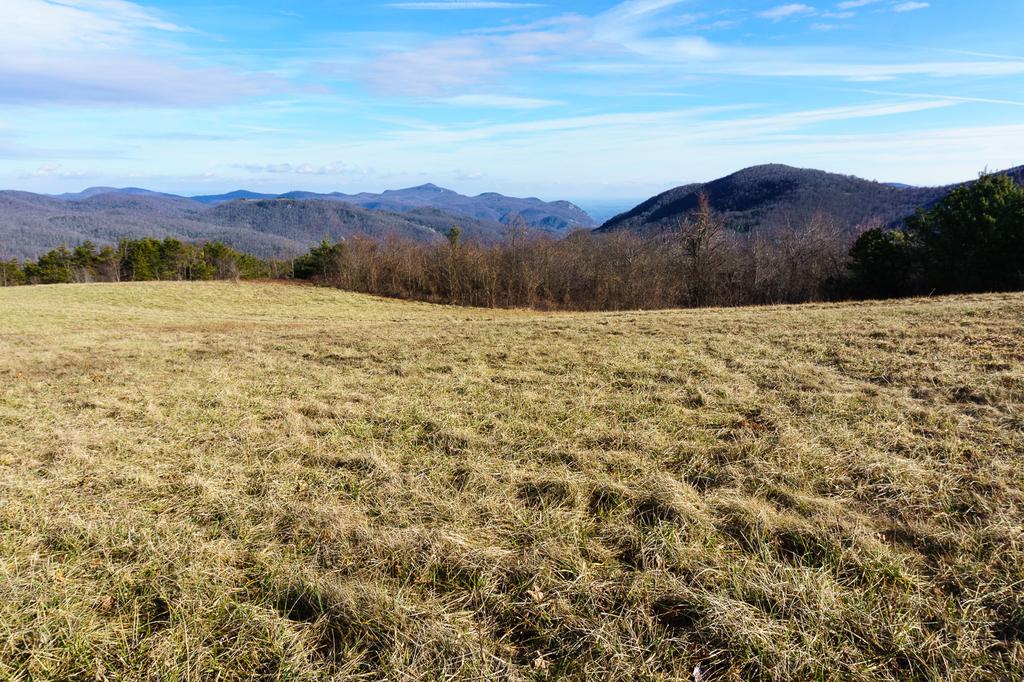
[(240, 480)]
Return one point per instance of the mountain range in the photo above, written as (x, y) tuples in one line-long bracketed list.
[(554, 216), (268, 225), (774, 195), (756, 198)]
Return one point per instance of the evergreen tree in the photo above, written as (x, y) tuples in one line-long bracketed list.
[(882, 262), (973, 240), (53, 267)]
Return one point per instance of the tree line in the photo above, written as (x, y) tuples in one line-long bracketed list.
[(971, 241), (701, 262), (138, 260)]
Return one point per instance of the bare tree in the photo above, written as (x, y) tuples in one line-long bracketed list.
[(700, 236)]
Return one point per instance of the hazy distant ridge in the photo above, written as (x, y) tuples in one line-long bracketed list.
[(267, 225), (553, 216)]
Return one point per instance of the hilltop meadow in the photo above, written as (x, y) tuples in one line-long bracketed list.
[(213, 480)]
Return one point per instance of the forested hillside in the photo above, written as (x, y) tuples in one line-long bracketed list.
[(778, 196), (304, 220), (31, 224), (266, 225)]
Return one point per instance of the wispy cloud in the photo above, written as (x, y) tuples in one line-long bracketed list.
[(893, 5), (57, 170), (332, 168), (469, 4), (694, 123), (449, 67), (781, 12), (631, 10), (854, 4), (629, 39), (107, 51), (499, 102), (952, 98), (910, 6)]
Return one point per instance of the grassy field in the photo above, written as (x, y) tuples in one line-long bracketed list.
[(245, 481)]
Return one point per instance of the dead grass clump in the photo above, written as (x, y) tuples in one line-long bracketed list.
[(320, 531), (350, 625), (968, 394), (152, 605), (808, 547), (463, 477), (366, 464), (655, 508), (435, 437), (606, 499), (678, 612), (666, 500), (546, 492), (748, 522), (926, 542)]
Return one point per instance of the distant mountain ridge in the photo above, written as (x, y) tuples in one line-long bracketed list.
[(267, 224), (549, 216), (760, 197), (775, 195), (96, 191)]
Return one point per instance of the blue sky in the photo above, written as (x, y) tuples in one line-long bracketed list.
[(568, 99)]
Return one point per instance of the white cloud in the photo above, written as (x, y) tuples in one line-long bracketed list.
[(631, 10), (786, 11), (105, 51), (77, 24), (952, 98), (853, 4), (456, 5), (46, 171), (794, 63), (448, 67), (331, 168), (824, 68), (910, 6), (55, 170), (629, 40), (552, 22), (630, 19), (693, 123), (499, 102)]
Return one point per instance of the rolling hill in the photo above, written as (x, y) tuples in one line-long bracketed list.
[(302, 220), (31, 223), (776, 195), (266, 225)]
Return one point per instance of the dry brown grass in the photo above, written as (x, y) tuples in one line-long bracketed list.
[(217, 481)]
